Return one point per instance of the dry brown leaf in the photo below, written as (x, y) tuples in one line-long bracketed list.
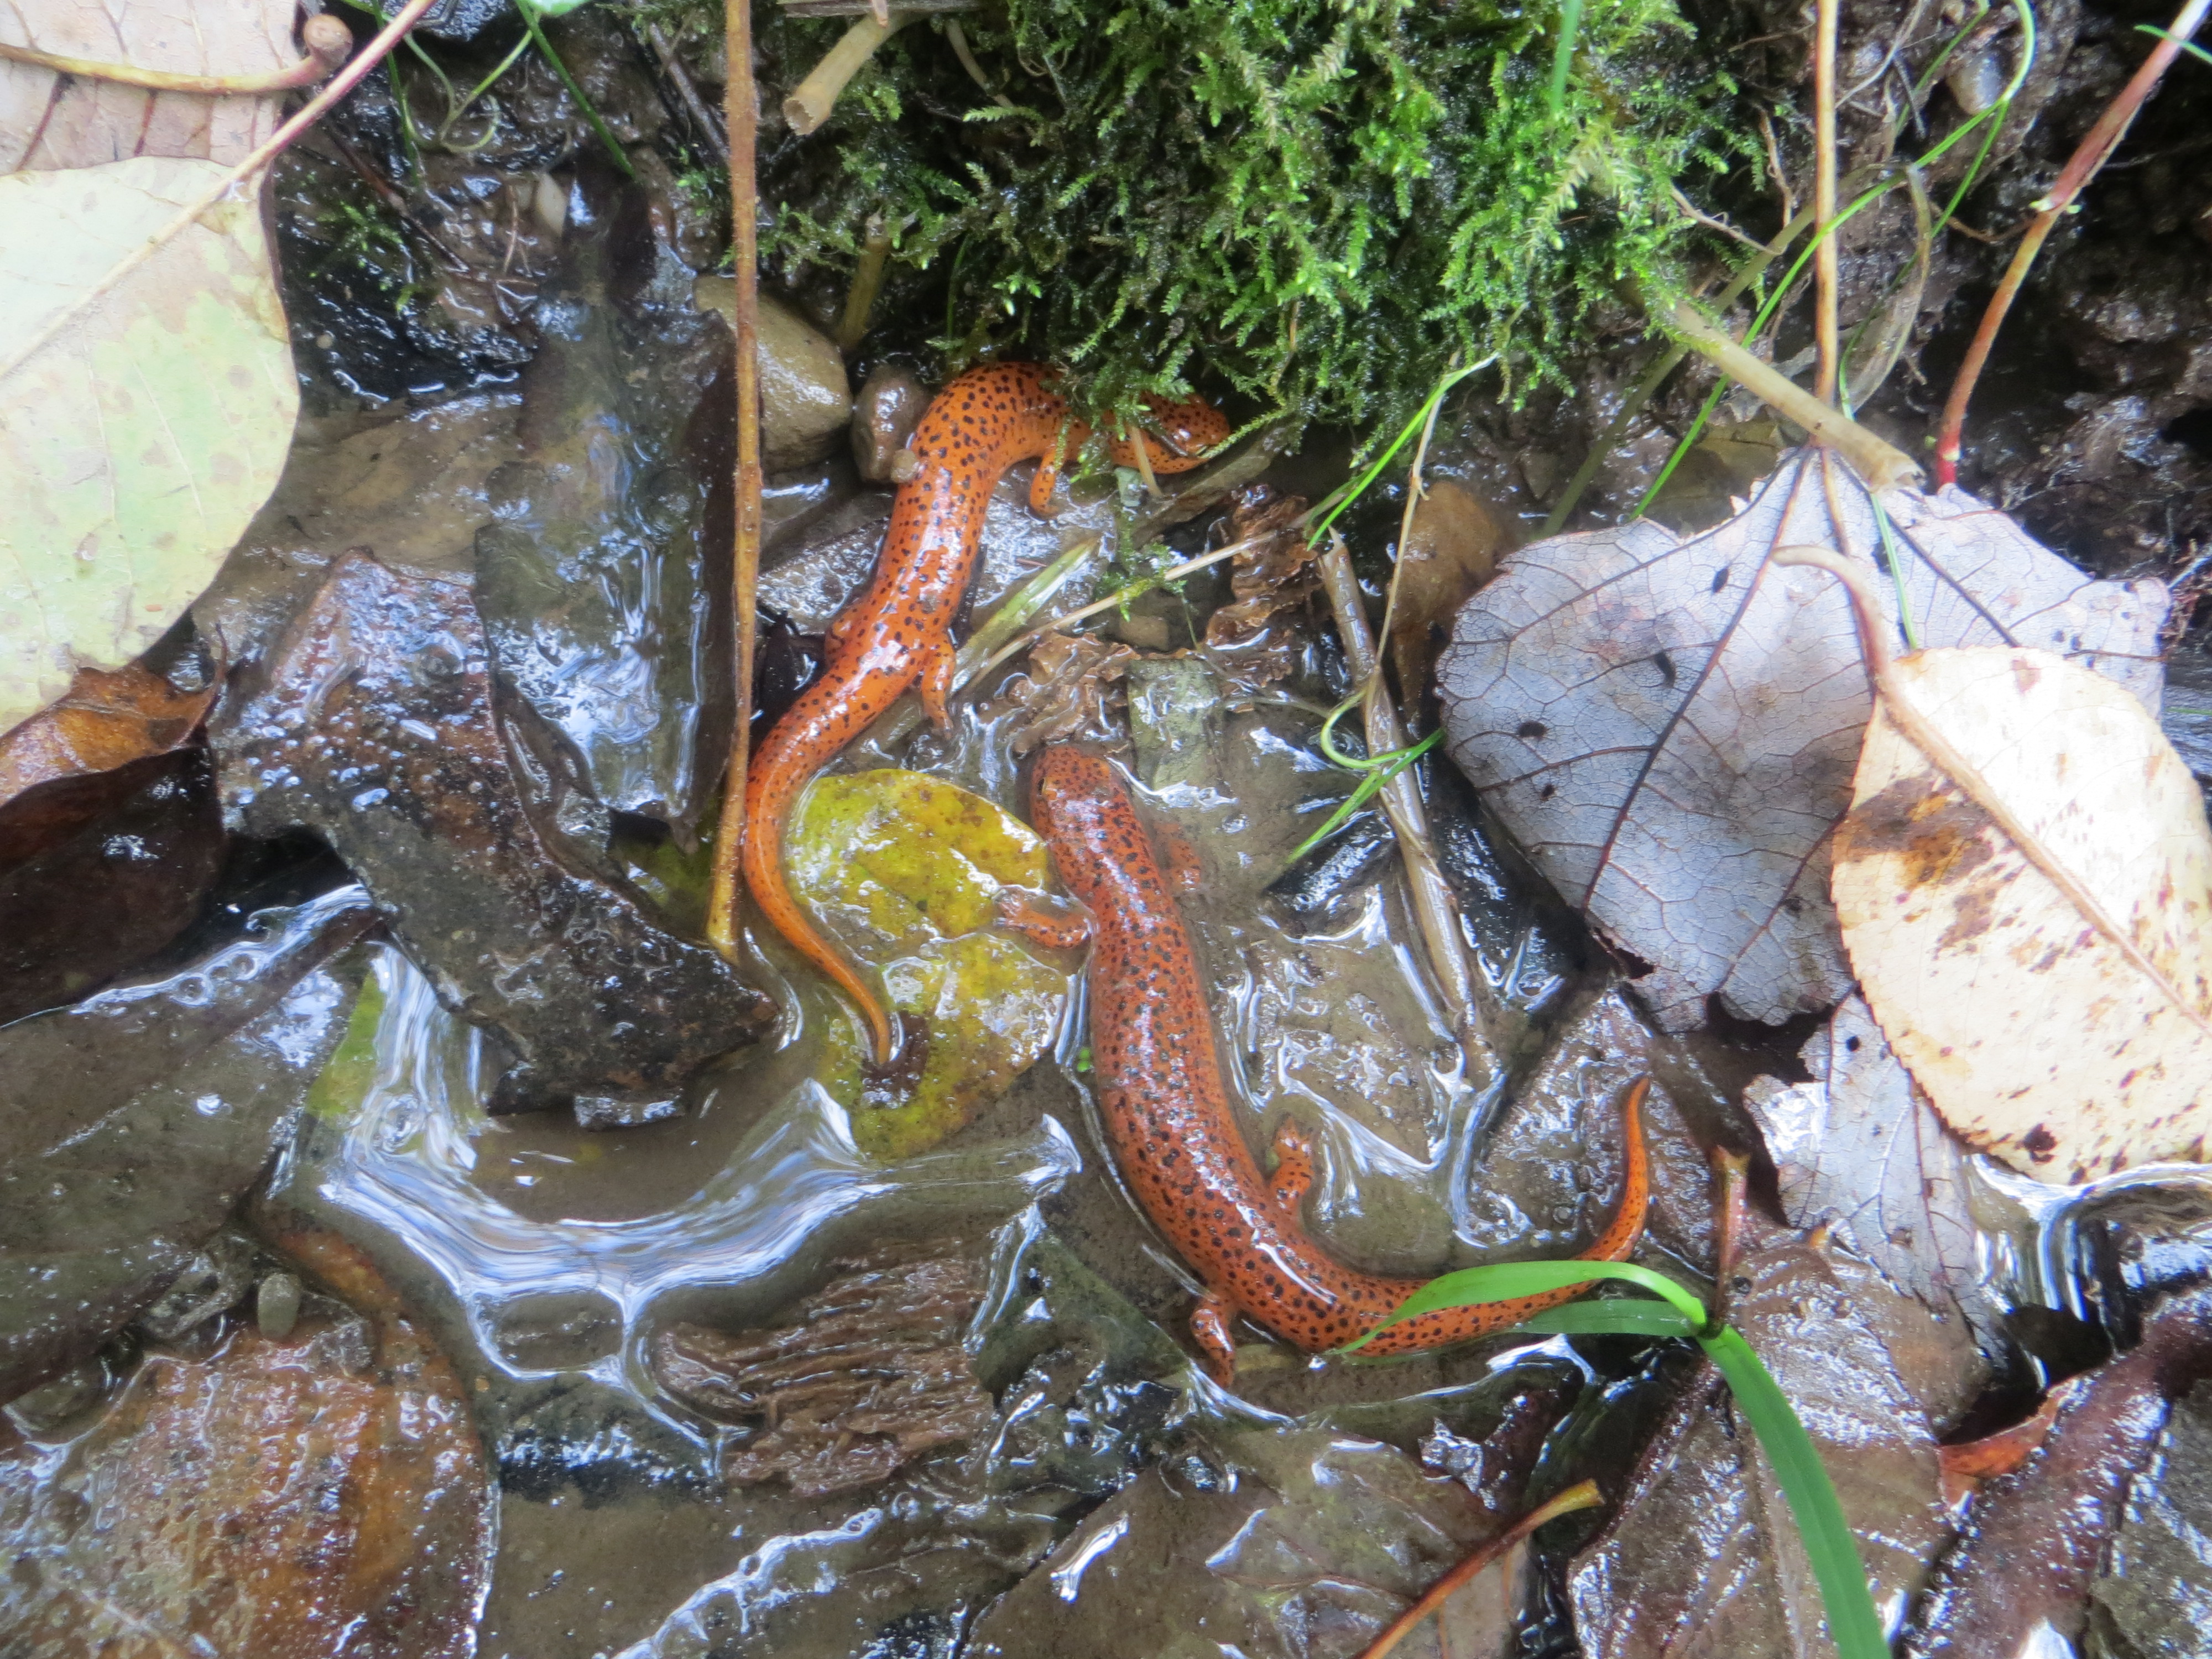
[(1070, 691), (1669, 727), (1456, 542), (2024, 885), (1274, 575), (106, 720), (50, 121)]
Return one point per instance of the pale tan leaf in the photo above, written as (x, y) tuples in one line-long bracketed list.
[(138, 444), (1669, 727), (49, 121), (2025, 883)]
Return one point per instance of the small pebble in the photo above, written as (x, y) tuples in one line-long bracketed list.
[(276, 1306)]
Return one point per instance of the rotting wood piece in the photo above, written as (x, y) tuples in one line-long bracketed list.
[(869, 1375)]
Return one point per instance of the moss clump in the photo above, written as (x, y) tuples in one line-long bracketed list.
[(1317, 202)]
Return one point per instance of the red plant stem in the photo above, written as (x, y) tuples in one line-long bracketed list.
[(741, 115), (327, 40), (1582, 1496), (2095, 151)]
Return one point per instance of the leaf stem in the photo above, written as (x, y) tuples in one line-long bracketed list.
[(812, 99), (326, 38)]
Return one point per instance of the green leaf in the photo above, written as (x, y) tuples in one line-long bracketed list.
[(139, 443), (1509, 1280), (1852, 1620), (1616, 1316)]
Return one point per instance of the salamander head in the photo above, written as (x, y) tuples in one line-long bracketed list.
[(1177, 436)]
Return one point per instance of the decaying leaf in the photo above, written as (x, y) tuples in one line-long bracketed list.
[(868, 1375), (49, 120), (1268, 580), (377, 730), (1701, 1557), (2034, 1537), (293, 1497), (1669, 727), (1070, 690), (905, 872), (139, 443), (1456, 542), (1858, 1147), (105, 720), (2024, 885)]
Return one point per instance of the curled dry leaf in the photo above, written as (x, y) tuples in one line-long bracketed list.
[(1070, 690), (1272, 576), (2025, 883), (1456, 541), (1669, 727), (138, 444)]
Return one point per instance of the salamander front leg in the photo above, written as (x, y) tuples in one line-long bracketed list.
[(1294, 1169), (1019, 913), (1210, 1323)]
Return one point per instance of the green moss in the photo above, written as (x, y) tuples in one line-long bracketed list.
[(1314, 204)]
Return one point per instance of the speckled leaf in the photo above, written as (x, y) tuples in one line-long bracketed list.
[(2035, 940), (1669, 727), (904, 871), (139, 443)]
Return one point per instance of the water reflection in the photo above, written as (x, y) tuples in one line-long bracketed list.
[(544, 1295)]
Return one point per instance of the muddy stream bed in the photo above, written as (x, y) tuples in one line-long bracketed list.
[(369, 1070)]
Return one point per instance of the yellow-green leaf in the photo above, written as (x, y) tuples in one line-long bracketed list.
[(138, 442), (904, 872)]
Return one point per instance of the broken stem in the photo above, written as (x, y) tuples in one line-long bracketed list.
[(867, 282), (1584, 1495), (688, 90), (327, 41), (812, 100), (2095, 151), (1434, 910), (1881, 465), (741, 115), (1824, 199), (275, 145)]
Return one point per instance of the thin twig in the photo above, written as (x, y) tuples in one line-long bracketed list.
[(1582, 1495), (1824, 298), (702, 117), (275, 145), (741, 110), (2093, 152), (867, 282), (1774, 169), (1435, 911), (957, 38), (326, 38), (1733, 1170)]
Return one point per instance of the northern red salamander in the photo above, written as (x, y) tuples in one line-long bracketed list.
[(1168, 1117), (898, 632)]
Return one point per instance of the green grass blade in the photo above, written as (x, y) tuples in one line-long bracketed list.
[(1506, 1281), (1614, 1316), (1371, 783), (1563, 56), (531, 11), (1852, 1620)]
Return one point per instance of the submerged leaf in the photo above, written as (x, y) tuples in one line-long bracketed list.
[(139, 443), (905, 872), (2025, 882), (1669, 727)]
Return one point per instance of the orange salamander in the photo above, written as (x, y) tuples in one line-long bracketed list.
[(1168, 1117), (898, 633)]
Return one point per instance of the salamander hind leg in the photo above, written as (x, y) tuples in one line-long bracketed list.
[(937, 661), (1210, 1322), (1294, 1168)]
